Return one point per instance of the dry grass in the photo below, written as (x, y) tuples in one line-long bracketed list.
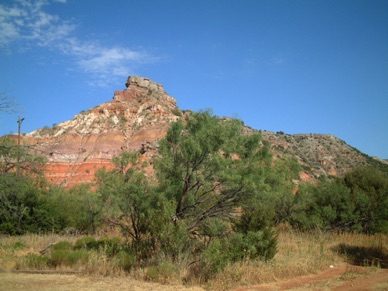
[(380, 287), (298, 254), (14, 248)]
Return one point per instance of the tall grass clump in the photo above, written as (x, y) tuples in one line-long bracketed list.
[(65, 257), (62, 245), (165, 272), (33, 262), (124, 260)]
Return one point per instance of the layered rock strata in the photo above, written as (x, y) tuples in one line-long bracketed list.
[(139, 116), (76, 149)]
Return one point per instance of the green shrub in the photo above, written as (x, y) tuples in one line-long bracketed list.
[(174, 241), (358, 203), (68, 257), (371, 185), (111, 246), (215, 257), (35, 261), (13, 247), (124, 260), (236, 247), (152, 273), (252, 245), (176, 112), (63, 245), (88, 243), (254, 237), (18, 245), (163, 273), (22, 207)]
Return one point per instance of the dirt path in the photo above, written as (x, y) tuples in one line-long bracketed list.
[(343, 278)]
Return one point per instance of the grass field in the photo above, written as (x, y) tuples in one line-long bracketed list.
[(298, 254)]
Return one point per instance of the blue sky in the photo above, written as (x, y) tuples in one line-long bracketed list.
[(294, 66)]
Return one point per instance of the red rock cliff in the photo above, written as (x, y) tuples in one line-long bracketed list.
[(78, 148)]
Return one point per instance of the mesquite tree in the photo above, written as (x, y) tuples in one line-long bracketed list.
[(209, 167)]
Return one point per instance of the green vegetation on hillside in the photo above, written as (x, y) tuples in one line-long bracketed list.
[(207, 174), (214, 199), (357, 202)]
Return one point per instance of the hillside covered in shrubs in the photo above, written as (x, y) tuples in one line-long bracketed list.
[(215, 195)]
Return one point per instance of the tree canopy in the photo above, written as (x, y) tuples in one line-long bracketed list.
[(208, 166)]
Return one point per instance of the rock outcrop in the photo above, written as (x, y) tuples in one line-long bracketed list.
[(320, 154), (76, 149), (139, 116)]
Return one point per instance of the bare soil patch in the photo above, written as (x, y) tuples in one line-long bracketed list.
[(343, 278), (11, 281)]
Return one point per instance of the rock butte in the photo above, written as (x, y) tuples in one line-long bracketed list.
[(139, 116), (135, 119)]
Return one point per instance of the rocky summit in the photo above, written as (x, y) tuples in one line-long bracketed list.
[(139, 116), (135, 119)]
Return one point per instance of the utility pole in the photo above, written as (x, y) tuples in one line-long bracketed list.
[(20, 120)]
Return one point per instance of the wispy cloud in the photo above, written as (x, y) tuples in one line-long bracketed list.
[(25, 21), (278, 60), (105, 63)]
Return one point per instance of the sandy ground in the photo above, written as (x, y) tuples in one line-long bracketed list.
[(342, 278), (56, 282)]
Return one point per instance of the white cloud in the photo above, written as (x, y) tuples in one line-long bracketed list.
[(27, 21), (8, 29), (102, 62), (104, 58), (8, 33)]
